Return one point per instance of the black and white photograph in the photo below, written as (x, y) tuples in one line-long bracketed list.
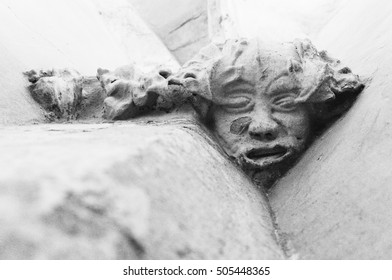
[(196, 130)]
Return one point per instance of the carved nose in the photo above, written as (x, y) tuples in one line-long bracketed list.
[(265, 130)]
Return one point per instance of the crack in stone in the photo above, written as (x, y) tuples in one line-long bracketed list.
[(186, 22)]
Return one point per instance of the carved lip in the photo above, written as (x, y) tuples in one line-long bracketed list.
[(265, 156)]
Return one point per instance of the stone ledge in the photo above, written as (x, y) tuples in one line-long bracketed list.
[(90, 191)]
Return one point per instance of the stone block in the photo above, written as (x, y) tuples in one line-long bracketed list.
[(141, 190)]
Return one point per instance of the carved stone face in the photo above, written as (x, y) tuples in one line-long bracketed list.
[(258, 99), (257, 132), (255, 117)]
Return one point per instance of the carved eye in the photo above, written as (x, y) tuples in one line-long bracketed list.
[(345, 70), (237, 104), (112, 81), (189, 75), (284, 102)]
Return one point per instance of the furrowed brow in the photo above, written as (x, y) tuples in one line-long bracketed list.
[(282, 83), (239, 85)]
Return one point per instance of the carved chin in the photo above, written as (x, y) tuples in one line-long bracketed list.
[(265, 166), (264, 162)]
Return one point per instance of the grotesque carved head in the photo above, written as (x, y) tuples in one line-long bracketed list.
[(266, 102)]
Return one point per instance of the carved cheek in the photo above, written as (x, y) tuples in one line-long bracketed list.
[(295, 123), (226, 128)]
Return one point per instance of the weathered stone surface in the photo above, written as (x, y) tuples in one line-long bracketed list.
[(336, 203), (185, 28), (131, 92), (272, 20), (149, 190), (58, 92), (131, 33)]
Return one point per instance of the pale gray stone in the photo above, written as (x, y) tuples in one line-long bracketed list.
[(161, 190)]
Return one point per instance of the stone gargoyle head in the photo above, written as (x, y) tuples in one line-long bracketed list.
[(263, 102)]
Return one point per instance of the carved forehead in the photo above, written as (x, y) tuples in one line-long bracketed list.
[(252, 62)]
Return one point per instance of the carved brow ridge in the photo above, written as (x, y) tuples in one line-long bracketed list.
[(272, 84), (238, 85)]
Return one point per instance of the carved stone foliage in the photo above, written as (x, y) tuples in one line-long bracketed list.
[(57, 91), (131, 92), (263, 102)]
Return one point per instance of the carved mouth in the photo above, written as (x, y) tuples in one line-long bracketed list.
[(347, 87), (351, 87), (265, 156)]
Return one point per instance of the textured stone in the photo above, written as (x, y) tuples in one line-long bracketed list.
[(272, 20), (184, 29), (59, 92), (143, 190)]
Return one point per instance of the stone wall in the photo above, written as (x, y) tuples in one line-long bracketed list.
[(182, 25), (271, 20)]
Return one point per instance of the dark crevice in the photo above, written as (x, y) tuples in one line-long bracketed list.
[(281, 238), (134, 244)]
